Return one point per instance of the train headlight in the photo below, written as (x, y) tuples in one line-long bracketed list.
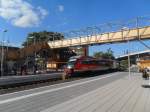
[(69, 67)]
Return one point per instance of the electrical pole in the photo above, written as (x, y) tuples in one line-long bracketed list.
[(129, 63), (2, 52)]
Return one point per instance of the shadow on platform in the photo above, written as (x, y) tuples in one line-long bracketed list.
[(146, 86)]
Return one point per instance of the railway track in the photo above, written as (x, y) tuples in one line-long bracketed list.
[(30, 85)]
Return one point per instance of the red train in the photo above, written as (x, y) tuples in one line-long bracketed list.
[(82, 64)]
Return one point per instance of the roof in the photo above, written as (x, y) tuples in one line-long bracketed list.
[(135, 53), (9, 47)]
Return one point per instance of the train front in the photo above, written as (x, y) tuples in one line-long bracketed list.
[(69, 69)]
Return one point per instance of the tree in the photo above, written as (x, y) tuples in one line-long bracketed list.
[(98, 54), (43, 36), (108, 54)]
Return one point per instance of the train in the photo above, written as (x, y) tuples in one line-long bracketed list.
[(86, 64)]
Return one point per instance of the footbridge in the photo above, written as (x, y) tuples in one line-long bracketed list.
[(110, 37)]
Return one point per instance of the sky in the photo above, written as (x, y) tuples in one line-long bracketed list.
[(21, 17)]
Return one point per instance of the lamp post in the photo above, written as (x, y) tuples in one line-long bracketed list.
[(129, 71), (2, 52), (129, 62), (27, 45)]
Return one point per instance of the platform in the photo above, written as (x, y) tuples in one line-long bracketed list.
[(113, 92), (124, 95)]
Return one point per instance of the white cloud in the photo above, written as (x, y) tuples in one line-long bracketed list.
[(20, 13), (60, 8)]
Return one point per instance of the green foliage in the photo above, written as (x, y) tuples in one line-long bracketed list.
[(123, 64), (98, 54), (108, 54), (42, 37)]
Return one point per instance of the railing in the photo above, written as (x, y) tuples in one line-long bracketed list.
[(110, 37)]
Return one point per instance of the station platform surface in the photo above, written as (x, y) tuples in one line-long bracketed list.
[(114, 92), (124, 95)]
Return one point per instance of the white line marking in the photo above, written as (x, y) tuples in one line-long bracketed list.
[(52, 90)]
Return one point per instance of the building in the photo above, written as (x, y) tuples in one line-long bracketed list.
[(9, 58), (141, 59), (135, 56)]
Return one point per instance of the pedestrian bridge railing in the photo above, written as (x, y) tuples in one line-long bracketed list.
[(110, 37)]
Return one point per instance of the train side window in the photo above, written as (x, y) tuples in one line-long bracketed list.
[(88, 62), (85, 62), (103, 62), (93, 62)]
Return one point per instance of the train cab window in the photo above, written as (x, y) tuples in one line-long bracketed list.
[(71, 63)]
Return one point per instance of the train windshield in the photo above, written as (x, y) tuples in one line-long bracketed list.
[(70, 64)]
